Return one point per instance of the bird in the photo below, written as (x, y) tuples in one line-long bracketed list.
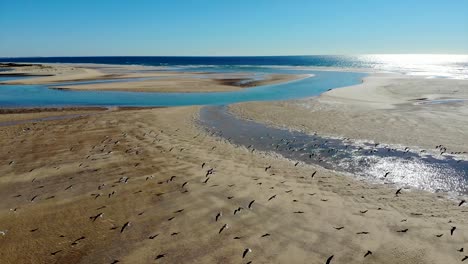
[(386, 174), (313, 174), (183, 185), (452, 230), (218, 216), (329, 259), (439, 235), (179, 211), (247, 250), (272, 197), (55, 253), (297, 163), (250, 204), (203, 165), (115, 261), (403, 230), (69, 187), (225, 226), (460, 250), (160, 256), (339, 228), (124, 226), (238, 210), (362, 233), (265, 235), (96, 216), (363, 212), (206, 180), (77, 240), (237, 237), (398, 192), (266, 168), (368, 253), (32, 199), (461, 202), (298, 212), (153, 236), (464, 258)]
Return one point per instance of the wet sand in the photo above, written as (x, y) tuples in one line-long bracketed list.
[(386, 108), (55, 175), (140, 78)]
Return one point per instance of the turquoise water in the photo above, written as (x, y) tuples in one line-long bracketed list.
[(42, 96)]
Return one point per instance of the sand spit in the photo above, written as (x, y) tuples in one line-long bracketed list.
[(386, 108), (140, 78)]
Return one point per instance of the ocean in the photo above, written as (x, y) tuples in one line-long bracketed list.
[(429, 65)]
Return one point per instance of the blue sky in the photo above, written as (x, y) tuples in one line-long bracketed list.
[(237, 27)]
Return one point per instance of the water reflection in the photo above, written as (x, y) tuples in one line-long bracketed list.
[(381, 163)]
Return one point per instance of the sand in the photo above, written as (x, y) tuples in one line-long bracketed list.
[(74, 169), (385, 108), (141, 78)]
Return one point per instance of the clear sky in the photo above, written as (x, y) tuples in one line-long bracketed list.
[(237, 27)]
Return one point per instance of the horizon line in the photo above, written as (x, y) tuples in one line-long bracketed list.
[(226, 56)]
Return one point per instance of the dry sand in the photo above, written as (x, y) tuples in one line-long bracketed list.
[(55, 175), (153, 79), (385, 108)]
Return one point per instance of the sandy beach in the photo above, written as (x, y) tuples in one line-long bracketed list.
[(70, 186), (136, 78), (386, 108)]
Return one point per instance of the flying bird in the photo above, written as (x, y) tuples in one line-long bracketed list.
[(452, 230), (160, 256), (225, 226), (218, 216), (329, 259), (250, 204), (124, 226), (55, 253), (247, 250), (368, 253), (403, 230), (96, 216), (461, 202), (398, 192), (272, 197)]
